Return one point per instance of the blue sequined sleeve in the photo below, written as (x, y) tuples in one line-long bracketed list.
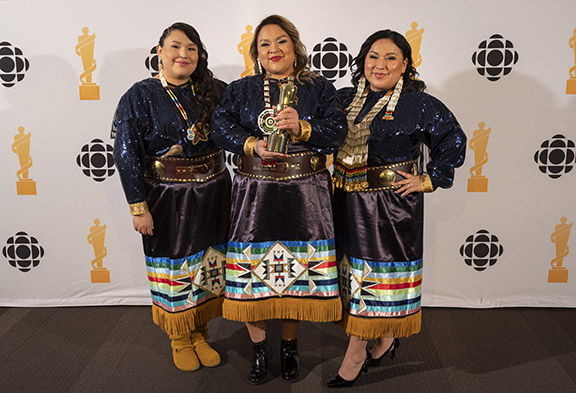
[(228, 131), (328, 121), (129, 154), (442, 134)]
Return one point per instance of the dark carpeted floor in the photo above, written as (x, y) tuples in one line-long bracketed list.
[(119, 349)]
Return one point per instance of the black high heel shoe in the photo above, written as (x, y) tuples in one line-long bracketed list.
[(338, 382), (373, 362)]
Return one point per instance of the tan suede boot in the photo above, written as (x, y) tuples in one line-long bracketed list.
[(207, 355), (183, 353)]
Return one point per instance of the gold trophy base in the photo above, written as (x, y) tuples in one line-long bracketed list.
[(278, 143), (478, 184), (26, 187), (100, 274), (90, 92), (558, 275), (571, 86)]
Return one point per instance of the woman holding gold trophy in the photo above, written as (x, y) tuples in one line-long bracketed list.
[(281, 261), (178, 188)]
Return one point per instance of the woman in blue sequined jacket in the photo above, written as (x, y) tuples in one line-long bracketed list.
[(401, 143), (178, 189), (281, 256)]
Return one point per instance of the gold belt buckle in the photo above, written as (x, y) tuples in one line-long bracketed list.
[(387, 177), (158, 168), (315, 163)]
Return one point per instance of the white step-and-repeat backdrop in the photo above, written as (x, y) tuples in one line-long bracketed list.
[(501, 236)]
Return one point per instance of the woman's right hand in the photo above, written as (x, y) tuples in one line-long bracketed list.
[(260, 149), (143, 223)]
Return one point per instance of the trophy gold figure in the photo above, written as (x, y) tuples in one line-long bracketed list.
[(560, 236), (96, 237), (21, 146), (414, 38), (85, 49), (479, 143), (278, 140), (571, 83), (244, 49)]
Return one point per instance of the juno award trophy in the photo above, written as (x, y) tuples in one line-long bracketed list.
[(21, 146), (559, 273), (278, 139), (98, 274), (85, 49), (571, 83), (479, 143)]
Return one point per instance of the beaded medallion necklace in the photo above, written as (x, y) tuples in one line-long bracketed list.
[(266, 121), (194, 132)]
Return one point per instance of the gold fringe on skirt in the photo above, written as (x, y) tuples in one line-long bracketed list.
[(312, 310), (188, 320), (374, 328)]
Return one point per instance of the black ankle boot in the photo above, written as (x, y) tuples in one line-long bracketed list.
[(261, 355), (289, 362)]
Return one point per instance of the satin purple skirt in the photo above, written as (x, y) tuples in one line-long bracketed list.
[(188, 217)]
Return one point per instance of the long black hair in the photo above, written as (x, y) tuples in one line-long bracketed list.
[(409, 76), (205, 87)]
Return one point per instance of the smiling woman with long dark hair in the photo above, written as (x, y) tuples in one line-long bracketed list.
[(281, 259), (381, 172), (178, 188)]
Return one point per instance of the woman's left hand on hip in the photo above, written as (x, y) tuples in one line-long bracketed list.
[(410, 184)]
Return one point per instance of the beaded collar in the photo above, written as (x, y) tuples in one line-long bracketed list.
[(351, 164)]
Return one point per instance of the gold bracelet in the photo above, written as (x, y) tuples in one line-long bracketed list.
[(249, 145), (138, 208), (305, 132), (426, 183)]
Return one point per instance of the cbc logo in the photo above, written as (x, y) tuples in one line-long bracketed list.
[(481, 250), (331, 59), (23, 252), (556, 156), (232, 160), (13, 64), (495, 57), (152, 62), (96, 160)]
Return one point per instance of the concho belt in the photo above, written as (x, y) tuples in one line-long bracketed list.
[(177, 169), (381, 177), (295, 166)]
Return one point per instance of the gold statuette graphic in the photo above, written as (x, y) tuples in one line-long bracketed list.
[(244, 49), (560, 236), (479, 143), (85, 49), (571, 83), (21, 146), (414, 38), (96, 238)]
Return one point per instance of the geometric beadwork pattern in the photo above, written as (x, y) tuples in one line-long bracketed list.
[(210, 274), (349, 283), (279, 268)]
